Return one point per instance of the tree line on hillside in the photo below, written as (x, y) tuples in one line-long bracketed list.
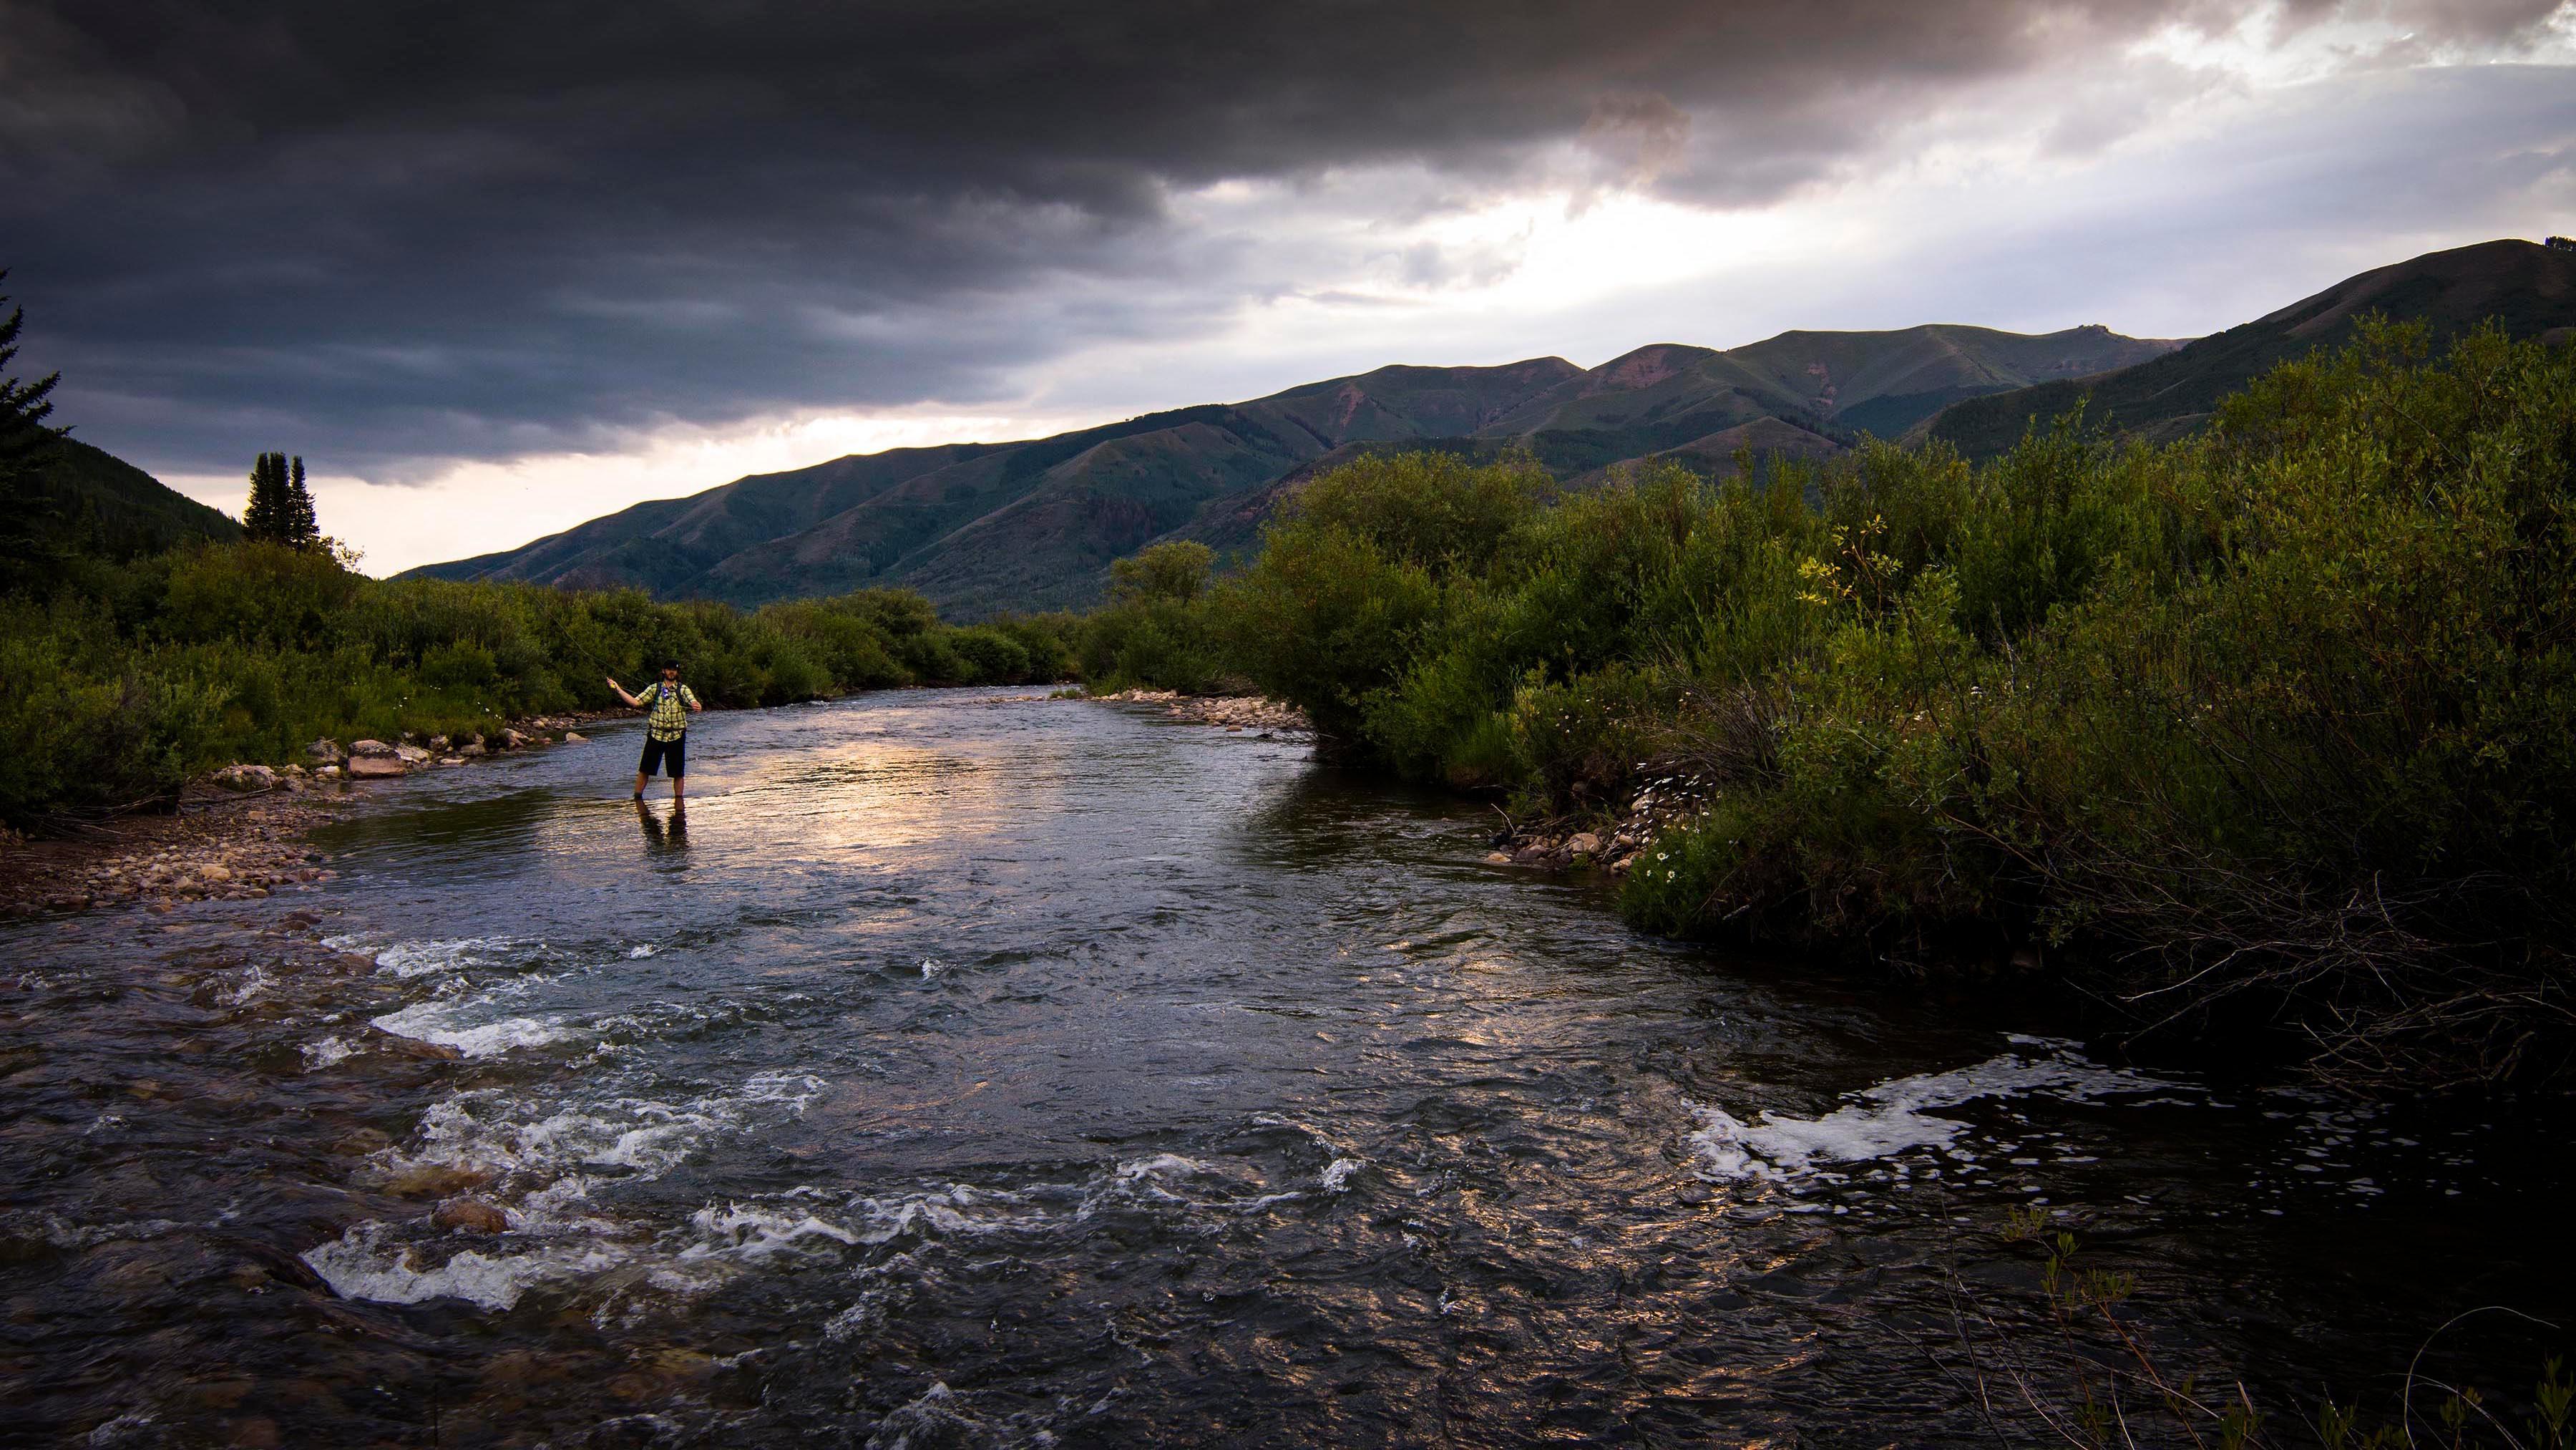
[(2280, 718)]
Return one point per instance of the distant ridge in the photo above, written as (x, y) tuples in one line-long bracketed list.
[(91, 502), (987, 528), (2527, 288)]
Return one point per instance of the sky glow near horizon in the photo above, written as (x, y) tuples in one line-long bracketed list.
[(2165, 182)]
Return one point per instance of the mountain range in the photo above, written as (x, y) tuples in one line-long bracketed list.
[(987, 528), (2529, 290)]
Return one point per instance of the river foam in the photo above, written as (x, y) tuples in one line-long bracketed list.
[(543, 1163), (1895, 1116)]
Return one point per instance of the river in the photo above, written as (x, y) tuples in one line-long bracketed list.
[(967, 1069)]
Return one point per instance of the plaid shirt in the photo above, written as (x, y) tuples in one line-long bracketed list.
[(666, 711)]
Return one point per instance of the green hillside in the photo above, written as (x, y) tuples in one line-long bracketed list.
[(89, 502), (984, 528), (2529, 289)]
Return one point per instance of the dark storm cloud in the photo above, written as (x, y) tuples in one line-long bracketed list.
[(394, 232)]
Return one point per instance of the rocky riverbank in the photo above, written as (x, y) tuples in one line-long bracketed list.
[(219, 846), (238, 834), (1612, 844), (1233, 713), (382, 759)]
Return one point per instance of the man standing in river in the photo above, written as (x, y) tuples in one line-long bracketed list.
[(666, 729)]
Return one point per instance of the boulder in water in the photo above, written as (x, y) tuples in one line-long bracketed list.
[(473, 1214)]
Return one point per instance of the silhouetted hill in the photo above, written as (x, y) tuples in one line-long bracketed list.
[(89, 501), (985, 528), (2529, 289)]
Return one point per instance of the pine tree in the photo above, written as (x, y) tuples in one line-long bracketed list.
[(265, 516), (24, 438), (29, 514), (303, 528)]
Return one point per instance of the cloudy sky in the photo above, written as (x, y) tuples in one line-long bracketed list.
[(497, 268)]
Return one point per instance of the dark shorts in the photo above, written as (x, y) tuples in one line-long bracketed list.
[(658, 752)]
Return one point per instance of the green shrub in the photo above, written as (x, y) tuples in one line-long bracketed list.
[(1325, 619), (1176, 570), (1051, 642), (1162, 644), (992, 656), (1433, 511)]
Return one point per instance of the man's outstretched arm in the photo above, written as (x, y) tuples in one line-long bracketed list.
[(621, 693)]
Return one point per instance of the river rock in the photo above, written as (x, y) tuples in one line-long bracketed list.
[(376, 767), (574, 737), (411, 755), (401, 1046), (470, 749), (511, 739), (371, 749), (473, 1214), (246, 778), (325, 751), (438, 742), (212, 871), (1583, 843), (326, 772), (437, 1180)]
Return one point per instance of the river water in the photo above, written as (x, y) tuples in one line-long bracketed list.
[(976, 1070)]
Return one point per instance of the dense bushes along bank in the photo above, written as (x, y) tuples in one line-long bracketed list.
[(125, 680), (2285, 713)]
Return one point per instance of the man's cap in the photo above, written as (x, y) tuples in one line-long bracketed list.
[(670, 664)]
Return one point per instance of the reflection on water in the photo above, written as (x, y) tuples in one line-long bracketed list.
[(664, 836), (964, 1073)]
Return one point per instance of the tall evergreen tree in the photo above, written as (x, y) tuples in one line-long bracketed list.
[(303, 528), (26, 444), (24, 437), (265, 516)]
